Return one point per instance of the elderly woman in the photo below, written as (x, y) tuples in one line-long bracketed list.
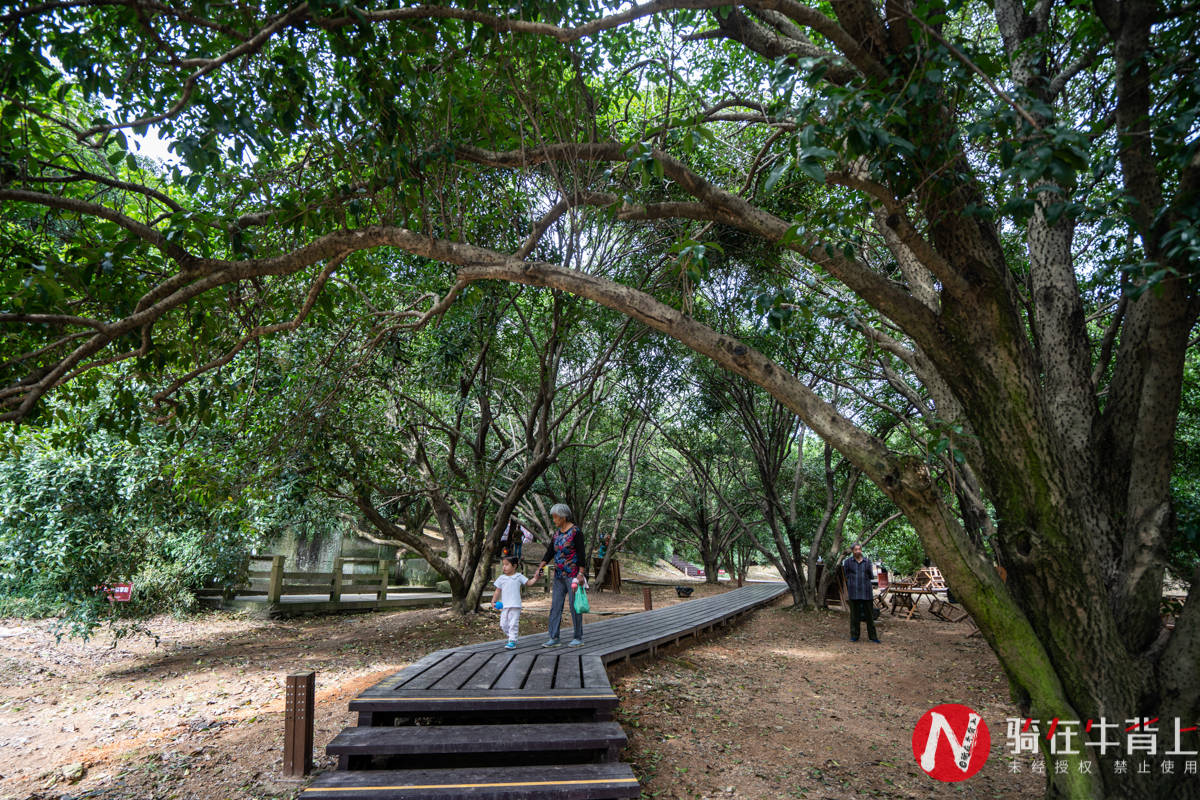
[(565, 552)]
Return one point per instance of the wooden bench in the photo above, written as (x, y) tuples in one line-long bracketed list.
[(588, 741), (560, 781)]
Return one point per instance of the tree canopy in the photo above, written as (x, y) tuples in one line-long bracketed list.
[(979, 221)]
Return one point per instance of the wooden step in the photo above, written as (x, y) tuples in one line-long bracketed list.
[(601, 738), (484, 706), (562, 782)]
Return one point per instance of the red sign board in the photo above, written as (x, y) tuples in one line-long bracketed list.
[(120, 592)]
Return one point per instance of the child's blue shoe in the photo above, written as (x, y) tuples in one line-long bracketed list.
[(510, 646)]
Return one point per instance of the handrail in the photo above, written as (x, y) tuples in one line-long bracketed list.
[(281, 582)]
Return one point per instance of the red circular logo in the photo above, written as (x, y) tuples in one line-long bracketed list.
[(951, 742)]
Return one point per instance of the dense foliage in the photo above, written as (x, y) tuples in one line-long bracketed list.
[(74, 519)]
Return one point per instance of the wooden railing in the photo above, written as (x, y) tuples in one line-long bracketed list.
[(276, 582)]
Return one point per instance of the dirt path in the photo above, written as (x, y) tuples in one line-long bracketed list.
[(200, 716), (786, 706)]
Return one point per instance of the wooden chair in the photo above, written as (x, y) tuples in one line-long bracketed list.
[(835, 594), (947, 611), (899, 598), (613, 579), (930, 578)]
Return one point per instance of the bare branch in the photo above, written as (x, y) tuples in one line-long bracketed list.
[(257, 332), (879, 528), (139, 229), (53, 319), (79, 174), (1106, 344)]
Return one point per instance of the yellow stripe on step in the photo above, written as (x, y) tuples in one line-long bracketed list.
[(469, 785)]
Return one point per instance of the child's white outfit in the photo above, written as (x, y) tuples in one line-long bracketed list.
[(510, 602)]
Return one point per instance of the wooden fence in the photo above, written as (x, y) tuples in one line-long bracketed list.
[(267, 576)]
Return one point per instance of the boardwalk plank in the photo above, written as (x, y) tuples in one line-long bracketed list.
[(541, 674), (595, 676), (489, 672), (431, 676), (439, 739), (594, 700), (514, 674), (567, 676), (411, 671), (462, 673)]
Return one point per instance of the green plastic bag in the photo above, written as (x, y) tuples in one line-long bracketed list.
[(581, 601)]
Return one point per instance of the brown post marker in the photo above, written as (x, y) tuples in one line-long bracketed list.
[(298, 724), (646, 598), (385, 568), (335, 591), (275, 588)]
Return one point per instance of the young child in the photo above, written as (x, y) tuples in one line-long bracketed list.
[(508, 592)]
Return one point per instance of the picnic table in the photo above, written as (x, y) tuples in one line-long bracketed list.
[(906, 596)]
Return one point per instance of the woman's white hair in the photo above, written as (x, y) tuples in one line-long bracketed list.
[(562, 510)]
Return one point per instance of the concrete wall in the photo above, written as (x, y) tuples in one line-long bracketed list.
[(317, 554)]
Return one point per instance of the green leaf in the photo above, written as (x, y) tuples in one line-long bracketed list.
[(776, 173), (812, 169), (794, 233)]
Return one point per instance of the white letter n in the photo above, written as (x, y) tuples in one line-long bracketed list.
[(938, 728)]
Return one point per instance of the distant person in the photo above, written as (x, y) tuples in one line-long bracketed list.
[(507, 598), (526, 538), (564, 551), (508, 539), (514, 538), (859, 571)]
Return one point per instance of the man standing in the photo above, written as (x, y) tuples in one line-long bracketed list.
[(858, 572)]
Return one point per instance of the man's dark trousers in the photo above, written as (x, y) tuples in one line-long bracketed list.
[(861, 610)]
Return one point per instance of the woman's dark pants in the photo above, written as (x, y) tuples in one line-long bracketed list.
[(562, 591)]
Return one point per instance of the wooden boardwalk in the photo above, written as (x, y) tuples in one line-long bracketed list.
[(482, 721), (292, 605)]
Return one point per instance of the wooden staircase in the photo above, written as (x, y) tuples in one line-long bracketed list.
[(484, 722)]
